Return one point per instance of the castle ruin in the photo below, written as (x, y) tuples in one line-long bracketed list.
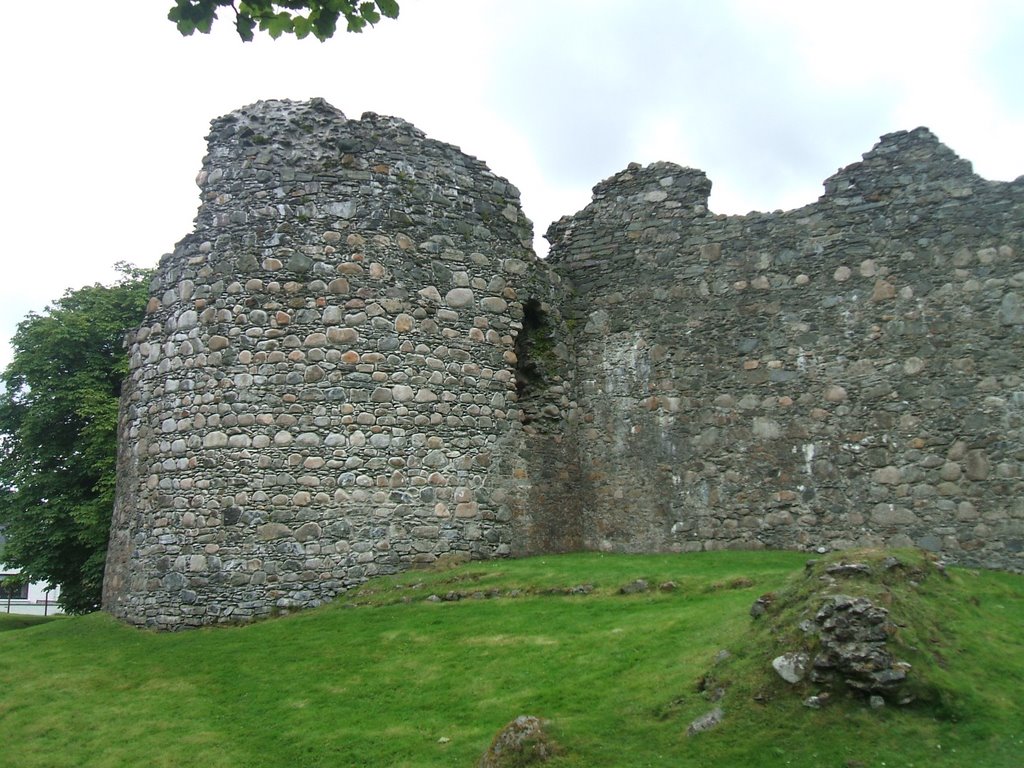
[(356, 364)]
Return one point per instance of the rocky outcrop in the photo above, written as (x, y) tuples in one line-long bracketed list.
[(853, 633), (522, 742)]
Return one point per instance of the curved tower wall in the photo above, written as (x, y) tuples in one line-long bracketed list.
[(325, 385)]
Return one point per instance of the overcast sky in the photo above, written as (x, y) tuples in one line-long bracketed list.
[(107, 106)]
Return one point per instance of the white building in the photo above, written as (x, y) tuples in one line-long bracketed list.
[(32, 597)]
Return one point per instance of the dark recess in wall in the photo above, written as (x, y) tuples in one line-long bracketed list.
[(532, 344)]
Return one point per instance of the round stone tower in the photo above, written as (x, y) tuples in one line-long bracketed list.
[(324, 387)]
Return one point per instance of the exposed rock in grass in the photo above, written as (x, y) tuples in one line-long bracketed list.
[(710, 688), (761, 605), (848, 569), (791, 666), (853, 632), (706, 722), (817, 701), (522, 742), (640, 585)]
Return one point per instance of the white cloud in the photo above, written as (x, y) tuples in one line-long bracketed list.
[(106, 113)]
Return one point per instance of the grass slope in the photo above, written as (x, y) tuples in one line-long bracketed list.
[(9, 621), (387, 677)]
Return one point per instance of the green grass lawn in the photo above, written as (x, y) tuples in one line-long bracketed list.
[(387, 677)]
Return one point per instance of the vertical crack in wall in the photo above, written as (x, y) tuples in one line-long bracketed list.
[(553, 517)]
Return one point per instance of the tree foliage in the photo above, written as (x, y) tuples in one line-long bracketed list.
[(58, 435), (301, 18)]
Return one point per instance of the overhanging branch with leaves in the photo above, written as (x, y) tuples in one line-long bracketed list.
[(319, 18)]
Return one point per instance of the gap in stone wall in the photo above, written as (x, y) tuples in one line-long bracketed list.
[(533, 343)]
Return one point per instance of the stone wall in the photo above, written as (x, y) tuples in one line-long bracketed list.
[(848, 373), (355, 365)]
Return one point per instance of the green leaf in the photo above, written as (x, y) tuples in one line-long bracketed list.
[(389, 8), (276, 24), (369, 12), (325, 23), (301, 26), (245, 24), (181, 19), (192, 15), (205, 24)]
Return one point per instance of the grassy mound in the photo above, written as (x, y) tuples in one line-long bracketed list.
[(958, 633), (9, 621), (423, 669), (899, 609)]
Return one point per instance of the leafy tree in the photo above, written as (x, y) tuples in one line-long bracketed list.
[(275, 17), (58, 435)]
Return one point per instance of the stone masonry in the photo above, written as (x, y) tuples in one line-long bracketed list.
[(355, 365), (845, 374)]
